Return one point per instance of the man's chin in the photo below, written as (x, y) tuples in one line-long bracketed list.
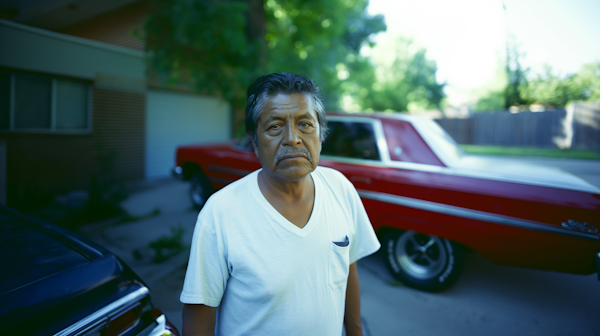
[(293, 172)]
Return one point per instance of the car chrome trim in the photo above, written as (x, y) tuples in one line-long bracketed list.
[(579, 226), (94, 318), (177, 172), (362, 162), (470, 213), (227, 170), (447, 170), (161, 328)]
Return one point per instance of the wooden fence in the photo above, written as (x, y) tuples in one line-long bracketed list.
[(577, 126)]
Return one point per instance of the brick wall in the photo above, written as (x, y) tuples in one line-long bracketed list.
[(42, 164), (114, 27)]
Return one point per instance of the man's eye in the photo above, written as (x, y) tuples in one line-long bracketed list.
[(305, 124), (275, 127)]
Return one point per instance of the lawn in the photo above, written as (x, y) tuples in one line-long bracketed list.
[(531, 151)]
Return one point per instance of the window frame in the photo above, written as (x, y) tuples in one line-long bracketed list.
[(53, 105), (380, 142)]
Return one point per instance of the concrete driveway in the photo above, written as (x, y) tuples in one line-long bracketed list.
[(489, 299)]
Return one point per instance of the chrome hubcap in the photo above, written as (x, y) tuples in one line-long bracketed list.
[(421, 256), (197, 193)]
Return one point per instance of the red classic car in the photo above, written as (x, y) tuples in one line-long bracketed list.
[(429, 202)]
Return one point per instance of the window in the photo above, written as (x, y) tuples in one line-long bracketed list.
[(351, 140), (36, 103)]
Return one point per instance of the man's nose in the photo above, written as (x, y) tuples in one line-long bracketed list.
[(291, 136)]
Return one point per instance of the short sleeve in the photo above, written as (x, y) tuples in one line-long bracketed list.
[(207, 272), (365, 241)]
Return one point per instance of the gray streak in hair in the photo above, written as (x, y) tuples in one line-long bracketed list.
[(269, 86)]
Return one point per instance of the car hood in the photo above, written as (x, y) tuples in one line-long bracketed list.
[(518, 171)]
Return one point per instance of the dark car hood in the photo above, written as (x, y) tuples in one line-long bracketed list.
[(30, 255), (52, 278)]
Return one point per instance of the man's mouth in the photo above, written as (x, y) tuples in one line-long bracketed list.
[(292, 153), (293, 156)]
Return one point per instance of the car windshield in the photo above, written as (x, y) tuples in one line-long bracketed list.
[(440, 142)]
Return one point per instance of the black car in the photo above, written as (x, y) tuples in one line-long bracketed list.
[(53, 282)]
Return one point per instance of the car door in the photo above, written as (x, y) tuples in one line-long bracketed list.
[(351, 147), (232, 163)]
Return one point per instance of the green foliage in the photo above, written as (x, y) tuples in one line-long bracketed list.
[(547, 88), (403, 79), (169, 245), (206, 43), (550, 89), (517, 77), (587, 80), (493, 101), (491, 95), (106, 189), (320, 39), (202, 42), (163, 247)]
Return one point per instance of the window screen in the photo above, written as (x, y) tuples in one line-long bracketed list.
[(40, 103), (33, 98), (71, 105), (351, 140)]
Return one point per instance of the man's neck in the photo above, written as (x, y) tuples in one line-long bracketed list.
[(289, 191), (294, 200)]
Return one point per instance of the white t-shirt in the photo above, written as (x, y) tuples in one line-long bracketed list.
[(268, 276)]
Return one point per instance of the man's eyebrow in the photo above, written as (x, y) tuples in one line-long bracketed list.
[(279, 117), (306, 115), (274, 117)]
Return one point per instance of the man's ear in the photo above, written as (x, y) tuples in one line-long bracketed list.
[(255, 147), (251, 137)]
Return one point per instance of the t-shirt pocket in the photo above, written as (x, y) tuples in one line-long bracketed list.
[(339, 264)]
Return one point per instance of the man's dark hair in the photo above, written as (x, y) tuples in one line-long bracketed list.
[(269, 86)]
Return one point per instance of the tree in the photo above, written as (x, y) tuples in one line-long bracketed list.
[(203, 43), (403, 79), (587, 82), (551, 89), (516, 76), (219, 48), (320, 39), (491, 96)]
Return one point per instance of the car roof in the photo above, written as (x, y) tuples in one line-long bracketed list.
[(381, 115)]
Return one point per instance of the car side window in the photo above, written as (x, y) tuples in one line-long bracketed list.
[(351, 140)]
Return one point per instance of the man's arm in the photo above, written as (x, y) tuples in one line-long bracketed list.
[(352, 313), (199, 320)]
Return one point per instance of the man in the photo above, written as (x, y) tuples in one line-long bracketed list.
[(274, 253)]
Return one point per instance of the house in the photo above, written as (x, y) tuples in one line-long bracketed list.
[(77, 103)]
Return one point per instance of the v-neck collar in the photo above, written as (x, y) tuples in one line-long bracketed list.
[(282, 221)]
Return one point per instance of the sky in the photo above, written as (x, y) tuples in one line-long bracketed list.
[(467, 38)]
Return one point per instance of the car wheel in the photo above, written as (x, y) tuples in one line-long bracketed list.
[(200, 190), (422, 261)]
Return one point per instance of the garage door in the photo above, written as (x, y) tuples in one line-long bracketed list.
[(174, 119)]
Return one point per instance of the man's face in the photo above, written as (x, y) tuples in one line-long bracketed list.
[(289, 144)]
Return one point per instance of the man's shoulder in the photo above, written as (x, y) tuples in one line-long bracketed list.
[(332, 177), (231, 193)]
